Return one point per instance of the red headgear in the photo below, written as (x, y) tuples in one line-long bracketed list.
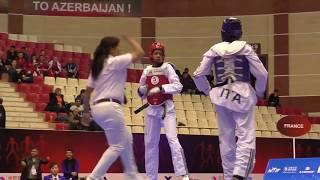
[(155, 46)]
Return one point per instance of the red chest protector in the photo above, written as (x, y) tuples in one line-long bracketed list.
[(156, 76)]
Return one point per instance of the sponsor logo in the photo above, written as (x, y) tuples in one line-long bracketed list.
[(290, 169), (307, 170), (274, 170), (154, 80)]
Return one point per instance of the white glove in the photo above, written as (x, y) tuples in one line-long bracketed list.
[(154, 90)]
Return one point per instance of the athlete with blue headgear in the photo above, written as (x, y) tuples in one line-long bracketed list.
[(232, 62)]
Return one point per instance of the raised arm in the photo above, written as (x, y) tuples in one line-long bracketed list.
[(137, 51)]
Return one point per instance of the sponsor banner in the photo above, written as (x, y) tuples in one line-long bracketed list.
[(202, 152), (161, 176), (88, 8), (292, 169)]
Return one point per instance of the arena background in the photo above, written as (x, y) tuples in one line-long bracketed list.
[(287, 30)]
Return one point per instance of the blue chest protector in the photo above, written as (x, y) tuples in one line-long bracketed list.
[(235, 68)]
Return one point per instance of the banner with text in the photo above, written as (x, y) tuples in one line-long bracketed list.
[(87, 8)]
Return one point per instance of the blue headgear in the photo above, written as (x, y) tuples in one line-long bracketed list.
[(231, 29)]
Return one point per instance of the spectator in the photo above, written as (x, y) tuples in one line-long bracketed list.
[(25, 53), (71, 68), (76, 115), (11, 55), (187, 82), (56, 102), (14, 72), (42, 65), (81, 95), (27, 75), (179, 74), (2, 64), (70, 166), (31, 166), (54, 68), (54, 169), (274, 99), (2, 115), (21, 62)]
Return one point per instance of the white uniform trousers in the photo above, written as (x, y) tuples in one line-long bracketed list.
[(109, 116), (238, 157), (153, 125)]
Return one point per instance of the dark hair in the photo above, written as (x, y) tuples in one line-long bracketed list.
[(102, 52), (53, 164), (1, 100)]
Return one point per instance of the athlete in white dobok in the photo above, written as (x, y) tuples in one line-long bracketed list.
[(157, 83), (232, 62), (107, 78)]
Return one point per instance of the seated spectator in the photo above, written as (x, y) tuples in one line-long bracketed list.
[(54, 169), (14, 73), (179, 74), (56, 102), (31, 166), (2, 115), (71, 68), (54, 68), (81, 95), (274, 99), (76, 111), (27, 75), (70, 166), (42, 65), (11, 55), (187, 82), (2, 64), (25, 54), (21, 62)]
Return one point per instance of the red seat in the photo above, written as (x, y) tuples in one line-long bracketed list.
[(86, 55), (50, 116), (20, 44), (41, 45), (11, 42), (44, 98), (46, 89), (31, 45), (4, 36), (35, 88), (58, 54), (62, 126), (38, 80), (3, 43), (77, 61), (22, 87), (32, 97), (68, 54), (41, 106), (83, 75), (50, 46), (77, 55)]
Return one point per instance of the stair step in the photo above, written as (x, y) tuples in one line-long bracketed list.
[(14, 99), (24, 119), (3, 84), (7, 89), (9, 94), (19, 109), (16, 104), (22, 114), (27, 125)]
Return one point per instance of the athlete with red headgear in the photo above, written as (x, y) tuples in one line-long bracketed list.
[(158, 83)]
